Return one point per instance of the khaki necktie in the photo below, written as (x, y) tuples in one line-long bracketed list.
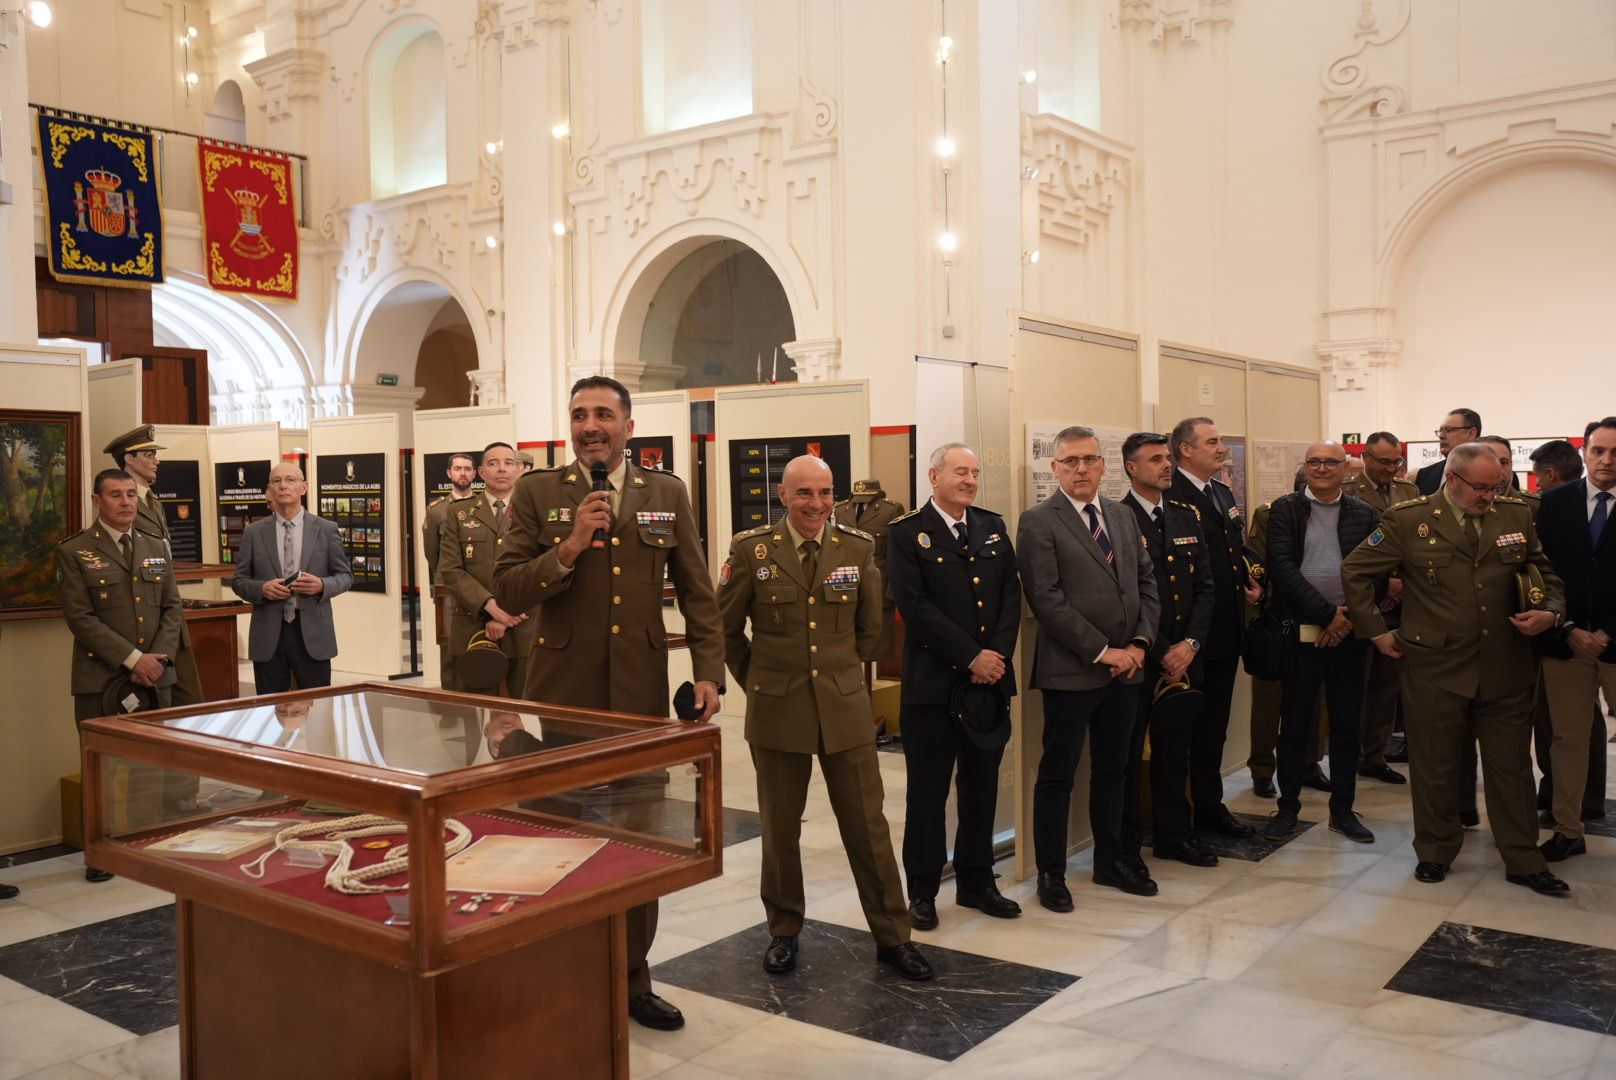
[(126, 548), (810, 559), (499, 508)]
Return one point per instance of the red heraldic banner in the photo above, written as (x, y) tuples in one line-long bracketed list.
[(249, 222)]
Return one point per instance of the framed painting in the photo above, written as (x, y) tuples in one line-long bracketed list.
[(40, 506)]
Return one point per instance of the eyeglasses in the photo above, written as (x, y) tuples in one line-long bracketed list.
[(1088, 461), (1479, 489), (1451, 430), (1390, 463), (1323, 463)]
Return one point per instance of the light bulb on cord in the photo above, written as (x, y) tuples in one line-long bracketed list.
[(945, 43), (559, 228), (192, 78), (948, 242), (492, 241), (560, 131), (190, 31), (945, 147), (39, 13), (1029, 76)]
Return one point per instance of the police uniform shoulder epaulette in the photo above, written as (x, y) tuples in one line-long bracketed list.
[(1406, 503), (1185, 504), (990, 513), (910, 514), (856, 532), (757, 531)]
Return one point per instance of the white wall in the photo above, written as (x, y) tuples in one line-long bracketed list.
[(695, 61)]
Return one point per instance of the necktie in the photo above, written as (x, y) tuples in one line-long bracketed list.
[(288, 565), (126, 548), (1161, 524), (499, 508), (961, 534), (810, 562), (1099, 535), (1596, 524), (1472, 526)]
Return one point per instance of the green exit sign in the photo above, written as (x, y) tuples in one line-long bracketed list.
[(387, 380)]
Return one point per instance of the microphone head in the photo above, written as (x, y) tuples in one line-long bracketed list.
[(598, 472)]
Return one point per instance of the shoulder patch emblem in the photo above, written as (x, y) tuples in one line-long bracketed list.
[(725, 572), (1377, 536), (1424, 530), (761, 552)]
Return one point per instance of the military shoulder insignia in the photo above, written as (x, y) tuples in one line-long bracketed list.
[(1515, 499), (1420, 501), (1377, 536), (855, 532), (758, 530)]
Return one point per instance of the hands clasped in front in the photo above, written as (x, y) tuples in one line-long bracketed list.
[(1123, 662)]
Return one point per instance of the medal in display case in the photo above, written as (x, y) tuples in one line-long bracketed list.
[(379, 881)]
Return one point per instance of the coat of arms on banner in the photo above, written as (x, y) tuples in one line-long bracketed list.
[(103, 215), (249, 220)]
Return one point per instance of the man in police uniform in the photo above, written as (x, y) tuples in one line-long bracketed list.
[(1171, 531), (1382, 488), (135, 452), (1197, 449), (954, 579), (473, 537), (811, 592), (1468, 665), (120, 602), (462, 469), (599, 640), (870, 511)]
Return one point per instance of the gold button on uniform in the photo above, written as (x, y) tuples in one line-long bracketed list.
[(617, 570), (976, 581), (814, 673), (811, 600), (813, 648), (616, 629), (617, 541), (617, 599), (812, 625)]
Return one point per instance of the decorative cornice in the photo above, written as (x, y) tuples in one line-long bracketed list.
[(815, 359), (1191, 18), (686, 164), (1352, 363), (287, 76)]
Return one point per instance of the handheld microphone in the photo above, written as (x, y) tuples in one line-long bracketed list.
[(598, 473)]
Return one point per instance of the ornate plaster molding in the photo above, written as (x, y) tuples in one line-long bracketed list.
[(487, 386), (1355, 84), (686, 166), (816, 359), (1192, 19), (287, 76), (1082, 177), (422, 228), (1352, 364)]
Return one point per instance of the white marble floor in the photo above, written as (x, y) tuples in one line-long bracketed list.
[(1274, 968)]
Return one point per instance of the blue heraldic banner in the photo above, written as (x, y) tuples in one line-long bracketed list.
[(103, 217)]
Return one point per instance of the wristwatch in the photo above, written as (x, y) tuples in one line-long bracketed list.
[(1194, 645)]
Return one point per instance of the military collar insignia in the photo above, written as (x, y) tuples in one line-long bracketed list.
[(570, 478), (638, 482)]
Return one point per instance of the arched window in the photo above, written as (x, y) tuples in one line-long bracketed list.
[(407, 104), (227, 117), (695, 61)]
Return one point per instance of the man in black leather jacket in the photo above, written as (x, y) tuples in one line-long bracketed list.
[(1309, 533)]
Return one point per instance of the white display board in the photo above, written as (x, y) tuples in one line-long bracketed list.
[(666, 413), (114, 405), (1040, 450), (1271, 468)]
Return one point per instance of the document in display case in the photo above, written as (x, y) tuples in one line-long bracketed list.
[(441, 857)]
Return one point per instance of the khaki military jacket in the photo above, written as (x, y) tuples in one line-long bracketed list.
[(803, 663), (599, 639), (112, 609), (432, 529), (149, 517), (1365, 489), (473, 536), (875, 518), (1458, 596)]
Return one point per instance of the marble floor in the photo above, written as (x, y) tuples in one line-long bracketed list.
[(1320, 959)]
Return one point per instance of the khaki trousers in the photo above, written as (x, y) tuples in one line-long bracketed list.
[(1573, 687), (853, 781)]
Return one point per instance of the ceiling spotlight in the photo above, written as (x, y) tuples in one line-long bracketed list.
[(948, 242), (192, 78), (945, 147), (560, 131), (559, 228), (39, 13), (1029, 76), (491, 241)]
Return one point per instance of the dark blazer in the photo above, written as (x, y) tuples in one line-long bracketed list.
[(1183, 578), (1429, 479), (1083, 605), (955, 601), (259, 561), (1289, 592), (1589, 572), (1225, 535)]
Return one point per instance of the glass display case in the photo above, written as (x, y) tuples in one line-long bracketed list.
[(450, 857)]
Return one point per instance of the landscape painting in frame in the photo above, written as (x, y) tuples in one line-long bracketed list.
[(39, 506)]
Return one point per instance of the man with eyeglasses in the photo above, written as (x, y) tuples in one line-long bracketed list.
[(1309, 532), (1460, 427), (1469, 668), (1380, 486)]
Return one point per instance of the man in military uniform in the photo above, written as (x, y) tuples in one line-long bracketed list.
[(955, 580), (812, 595), (599, 640), (1468, 667), (462, 469), (135, 452), (122, 605), (1197, 449), (1382, 488), (869, 510), (473, 537), (1171, 531)]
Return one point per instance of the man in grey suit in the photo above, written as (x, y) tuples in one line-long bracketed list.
[(1092, 589), (289, 567)]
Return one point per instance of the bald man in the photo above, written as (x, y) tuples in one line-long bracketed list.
[(289, 567)]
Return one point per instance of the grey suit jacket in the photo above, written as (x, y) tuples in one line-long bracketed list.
[(1082, 605), (259, 562)]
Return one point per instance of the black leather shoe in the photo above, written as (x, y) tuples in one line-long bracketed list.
[(1397, 757), (8, 891), (1124, 876), (1281, 826), (906, 959), (1053, 893), (781, 955), (1540, 882), (923, 913), (652, 1012), (1189, 853), (1470, 819), (96, 876), (1546, 819), (1317, 781), (1227, 825), (1559, 847), (989, 901), (1352, 827), (1384, 773), (1263, 787), (1431, 872)]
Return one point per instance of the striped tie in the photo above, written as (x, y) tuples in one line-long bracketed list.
[(1099, 535)]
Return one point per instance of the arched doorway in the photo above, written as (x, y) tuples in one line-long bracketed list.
[(413, 351), (448, 354), (718, 318)]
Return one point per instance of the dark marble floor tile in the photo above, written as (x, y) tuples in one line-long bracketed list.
[(123, 970), (38, 854), (739, 825), (1605, 826), (838, 985), (1255, 849), (1561, 982)]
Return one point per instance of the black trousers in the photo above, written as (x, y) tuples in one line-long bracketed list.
[(1340, 671), (290, 661), (1169, 769), (935, 751), (1107, 716), (1207, 737)]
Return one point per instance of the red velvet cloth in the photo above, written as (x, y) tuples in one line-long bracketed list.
[(249, 220)]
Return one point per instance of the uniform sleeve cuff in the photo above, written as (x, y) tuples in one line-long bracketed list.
[(132, 659)]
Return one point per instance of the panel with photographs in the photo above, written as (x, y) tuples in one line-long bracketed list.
[(351, 492), (757, 466), (241, 493)]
